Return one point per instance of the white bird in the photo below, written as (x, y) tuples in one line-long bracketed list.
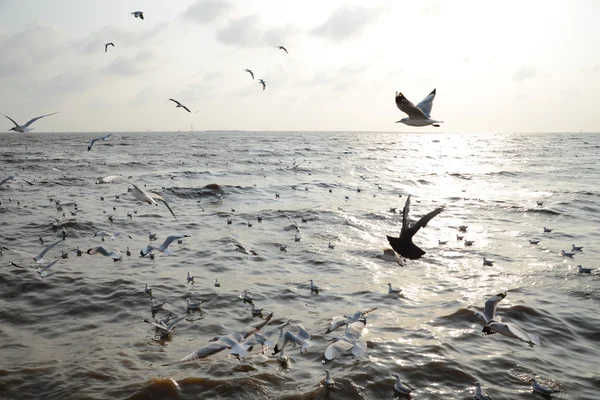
[(314, 288), (541, 389), (256, 312), (193, 305), (247, 297), (150, 198), (108, 44), (328, 382), (115, 255), (40, 257), (111, 235), (138, 14), (250, 72), (163, 247), (104, 138), (148, 290), (44, 270), (419, 115), (348, 343), (583, 270), (301, 339), (479, 393), (392, 290), (263, 83), (112, 179), (25, 128), (166, 328), (190, 278), (234, 341), (180, 105), (10, 178), (487, 263), (400, 387), (489, 311), (154, 306), (242, 249), (392, 256), (151, 236), (511, 330)]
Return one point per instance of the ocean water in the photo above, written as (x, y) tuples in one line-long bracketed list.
[(78, 333)]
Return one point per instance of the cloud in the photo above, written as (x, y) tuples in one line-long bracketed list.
[(524, 73), (278, 35), (346, 21), (205, 11), (244, 32)]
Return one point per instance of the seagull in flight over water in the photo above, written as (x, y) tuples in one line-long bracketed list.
[(404, 245), (25, 128), (262, 83), (105, 137), (250, 72), (138, 14), (419, 115), (180, 105), (283, 48), (108, 44)]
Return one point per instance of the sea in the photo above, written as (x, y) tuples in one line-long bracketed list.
[(326, 201)]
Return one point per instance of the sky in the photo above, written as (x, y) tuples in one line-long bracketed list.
[(510, 66)]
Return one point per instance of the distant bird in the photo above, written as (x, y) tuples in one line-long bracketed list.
[(469, 242), (25, 128), (479, 393), (242, 249), (576, 248), (193, 305), (540, 203), (283, 48), (217, 283), (331, 246), (400, 387), (180, 105), (460, 237), (418, 115), (104, 138), (534, 241), (487, 263), (262, 82), (138, 14), (463, 228), (582, 270), (566, 254), (314, 288), (190, 278), (108, 44), (541, 389), (442, 242), (547, 230), (247, 297), (404, 245), (391, 290), (250, 72)]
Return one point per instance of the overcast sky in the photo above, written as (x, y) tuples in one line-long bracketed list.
[(509, 66)]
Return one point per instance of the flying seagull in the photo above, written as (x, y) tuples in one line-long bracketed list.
[(349, 343), (262, 83), (489, 312), (250, 72), (180, 105), (108, 44), (404, 245), (25, 128), (283, 48), (150, 198), (419, 115), (138, 14), (105, 138)]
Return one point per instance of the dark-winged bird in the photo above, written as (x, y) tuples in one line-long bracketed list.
[(250, 72), (404, 245), (108, 44), (262, 83), (180, 105), (283, 48)]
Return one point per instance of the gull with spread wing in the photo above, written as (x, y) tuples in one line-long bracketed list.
[(419, 115), (25, 128)]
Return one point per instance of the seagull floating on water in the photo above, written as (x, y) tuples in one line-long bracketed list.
[(154, 306), (247, 297), (401, 387), (104, 138), (25, 128), (193, 305), (418, 115), (150, 198), (487, 263), (547, 230), (404, 245), (250, 72), (108, 44), (534, 241), (190, 278), (583, 270), (138, 14), (479, 393), (313, 288), (148, 290), (566, 254), (217, 284), (328, 382), (180, 105)]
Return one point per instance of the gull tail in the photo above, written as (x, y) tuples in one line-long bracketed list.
[(406, 249), (534, 339)]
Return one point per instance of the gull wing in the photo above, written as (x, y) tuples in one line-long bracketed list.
[(409, 108), (42, 271), (158, 197), (422, 223), (209, 349), (426, 104), (178, 103), (334, 350), (186, 109), (141, 195), (160, 326), (284, 338), (359, 349), (252, 329), (522, 335), (336, 324), (13, 121), (490, 306), (7, 179), (171, 239), (32, 120), (354, 330), (405, 222), (40, 256), (303, 333)]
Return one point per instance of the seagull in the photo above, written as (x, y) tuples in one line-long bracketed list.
[(348, 343), (154, 306), (105, 138), (180, 105), (190, 278), (150, 198), (469, 242), (148, 290), (138, 14), (400, 387), (348, 319), (576, 248), (234, 341), (10, 178), (242, 249), (40, 257), (582, 270), (115, 255), (250, 72), (418, 115), (392, 290), (479, 393), (25, 128), (262, 82), (193, 305), (111, 179), (151, 236), (108, 44), (301, 338), (44, 270), (247, 297), (283, 48), (511, 330), (489, 311), (163, 248), (566, 254), (256, 312), (329, 382), (540, 203), (404, 245), (547, 230), (217, 283), (463, 228), (111, 235), (534, 241), (166, 328), (331, 246), (314, 288), (541, 389), (442, 242), (391, 255)]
